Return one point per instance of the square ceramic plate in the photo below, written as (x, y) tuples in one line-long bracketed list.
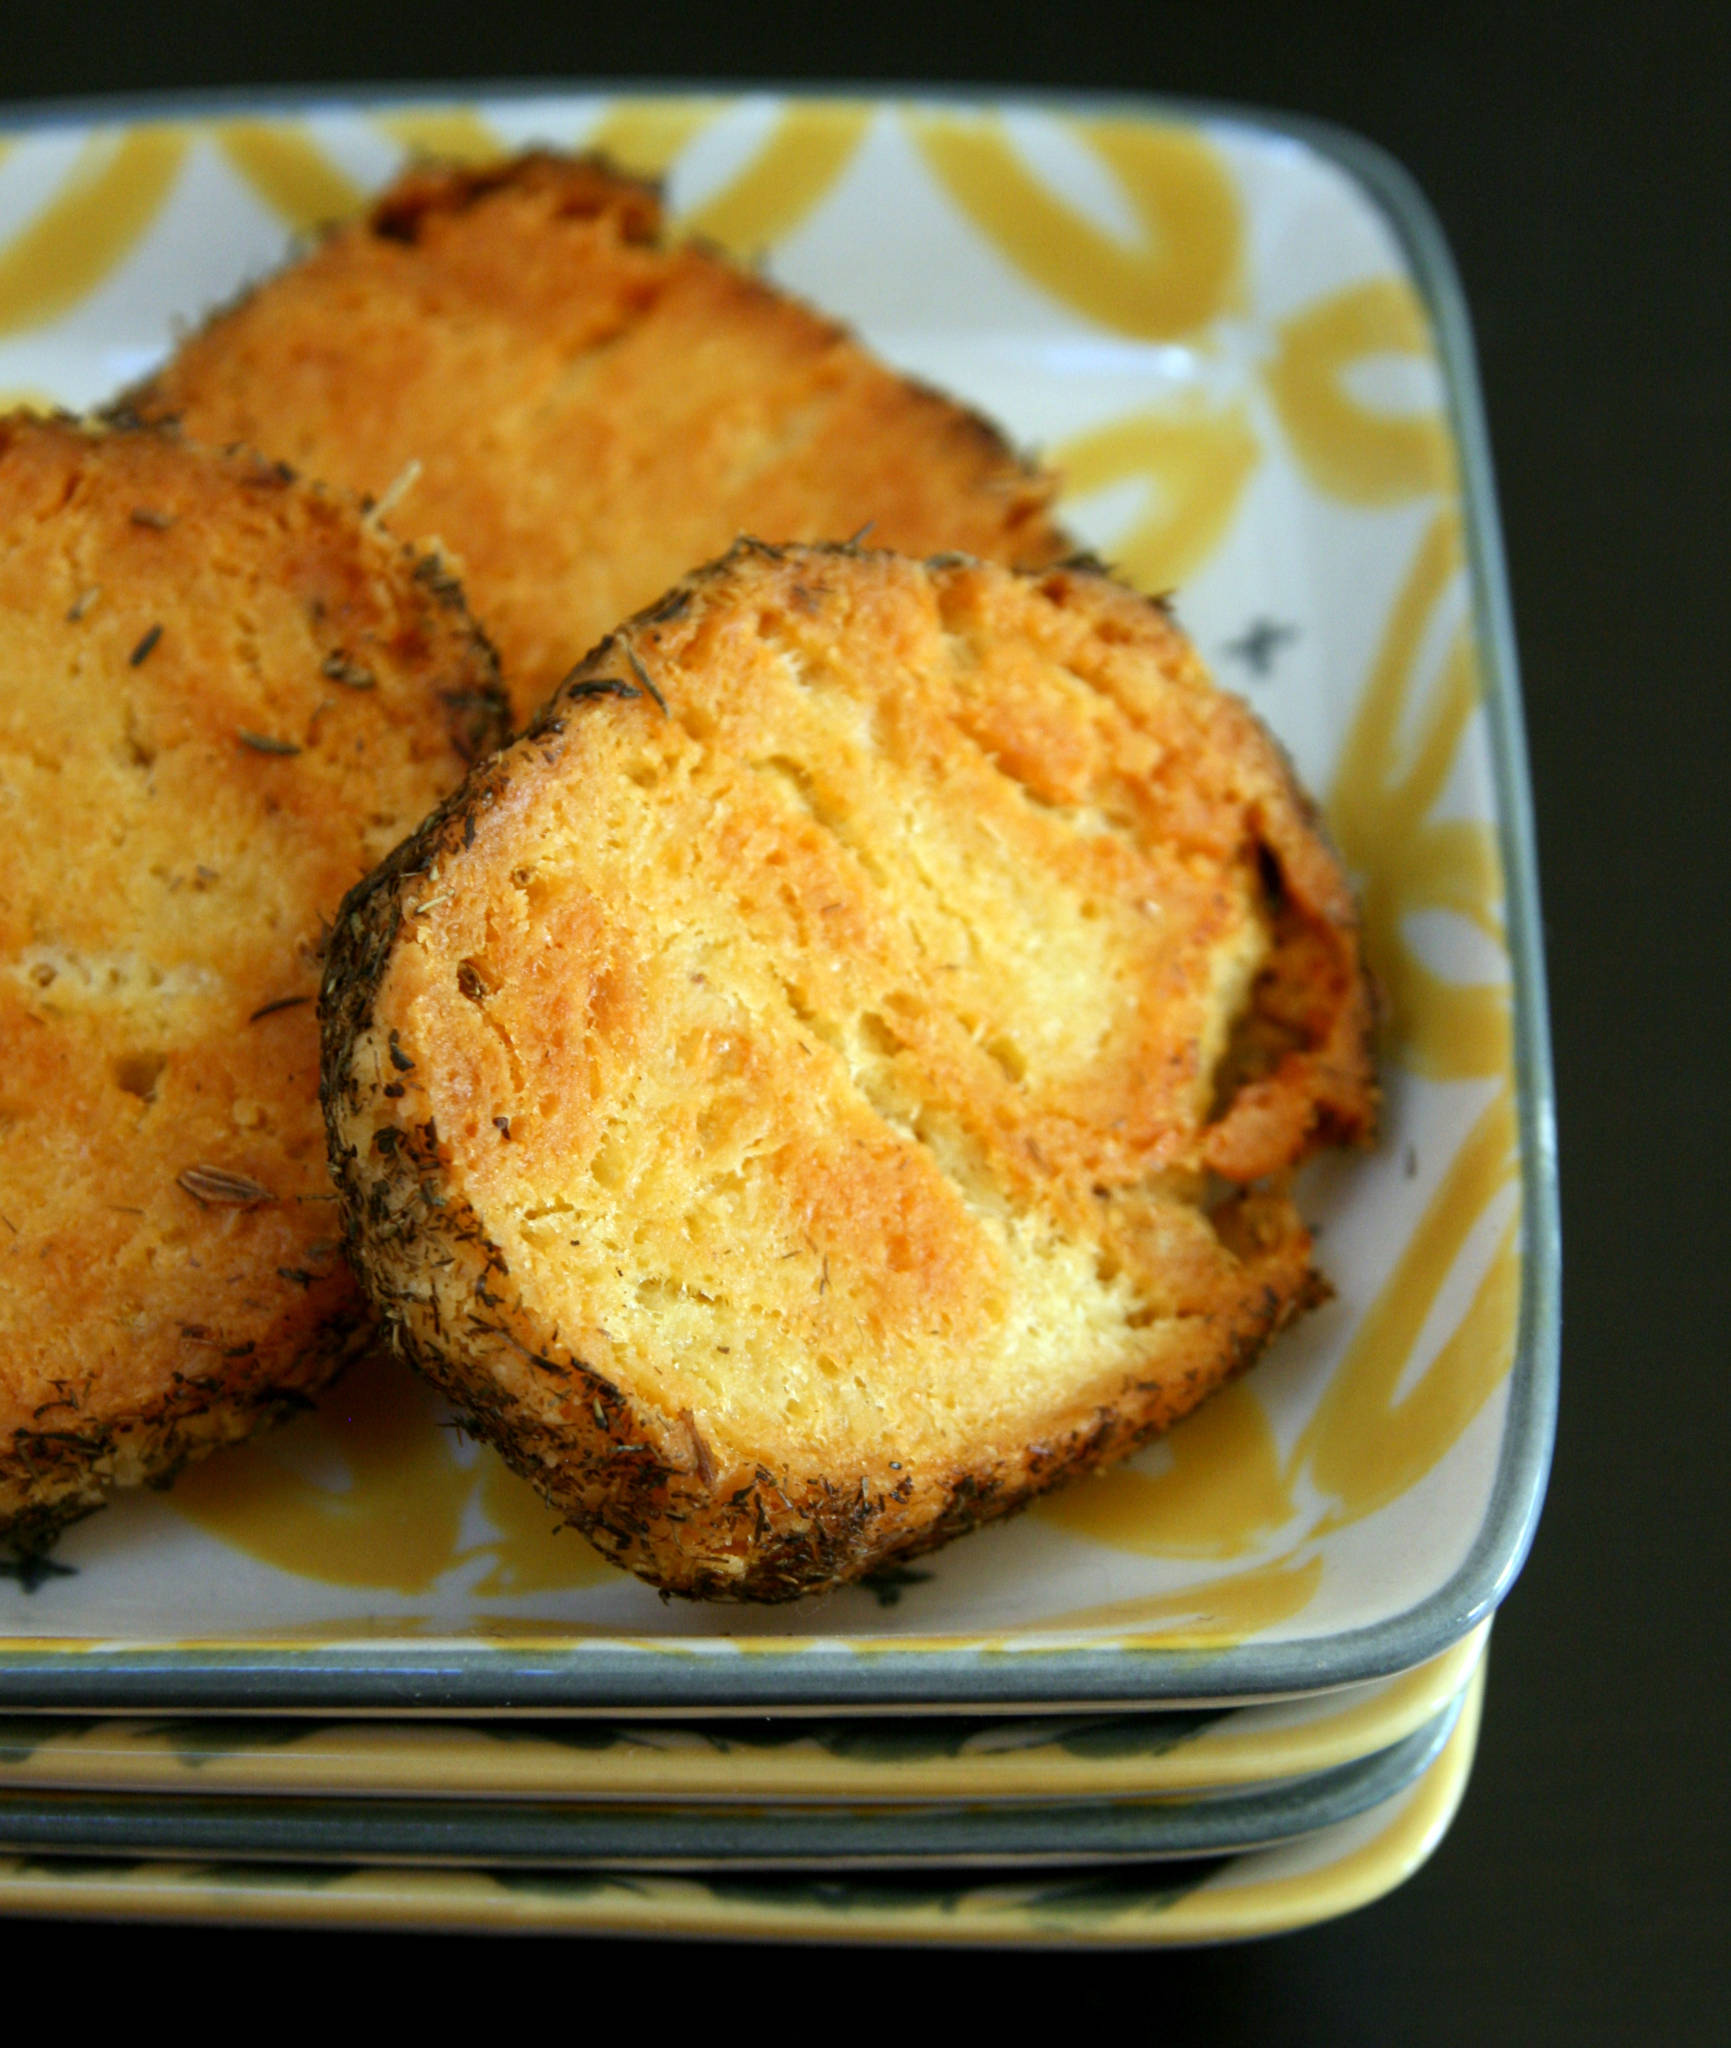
[(1242, 343), (611, 1834), (893, 1761), (1269, 1891)]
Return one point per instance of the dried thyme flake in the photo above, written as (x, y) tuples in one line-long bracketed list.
[(81, 605), (143, 651), (705, 1464), (602, 686), (158, 522), (644, 677), (350, 674), (281, 1003), (216, 1187), (265, 743)]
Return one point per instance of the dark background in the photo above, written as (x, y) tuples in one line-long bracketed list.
[(1577, 159)]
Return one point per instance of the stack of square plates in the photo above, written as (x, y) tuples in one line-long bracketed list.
[(349, 1674)]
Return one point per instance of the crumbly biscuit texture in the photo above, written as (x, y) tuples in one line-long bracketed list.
[(836, 1074), (590, 408), (226, 698)]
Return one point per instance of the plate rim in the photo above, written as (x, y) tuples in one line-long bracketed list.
[(675, 1835), (1203, 1751), (1256, 1894), (450, 1675)]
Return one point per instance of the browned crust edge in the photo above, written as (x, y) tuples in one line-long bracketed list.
[(51, 1478)]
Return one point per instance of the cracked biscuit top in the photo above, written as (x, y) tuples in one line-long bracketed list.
[(586, 407), (839, 1071), (225, 698)]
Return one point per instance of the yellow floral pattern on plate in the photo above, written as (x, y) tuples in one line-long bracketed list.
[(92, 224)]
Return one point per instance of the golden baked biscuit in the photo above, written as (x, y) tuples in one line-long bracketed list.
[(225, 697), (592, 409), (837, 1073)]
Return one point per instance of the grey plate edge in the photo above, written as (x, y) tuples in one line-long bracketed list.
[(429, 1677), (672, 1838)]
